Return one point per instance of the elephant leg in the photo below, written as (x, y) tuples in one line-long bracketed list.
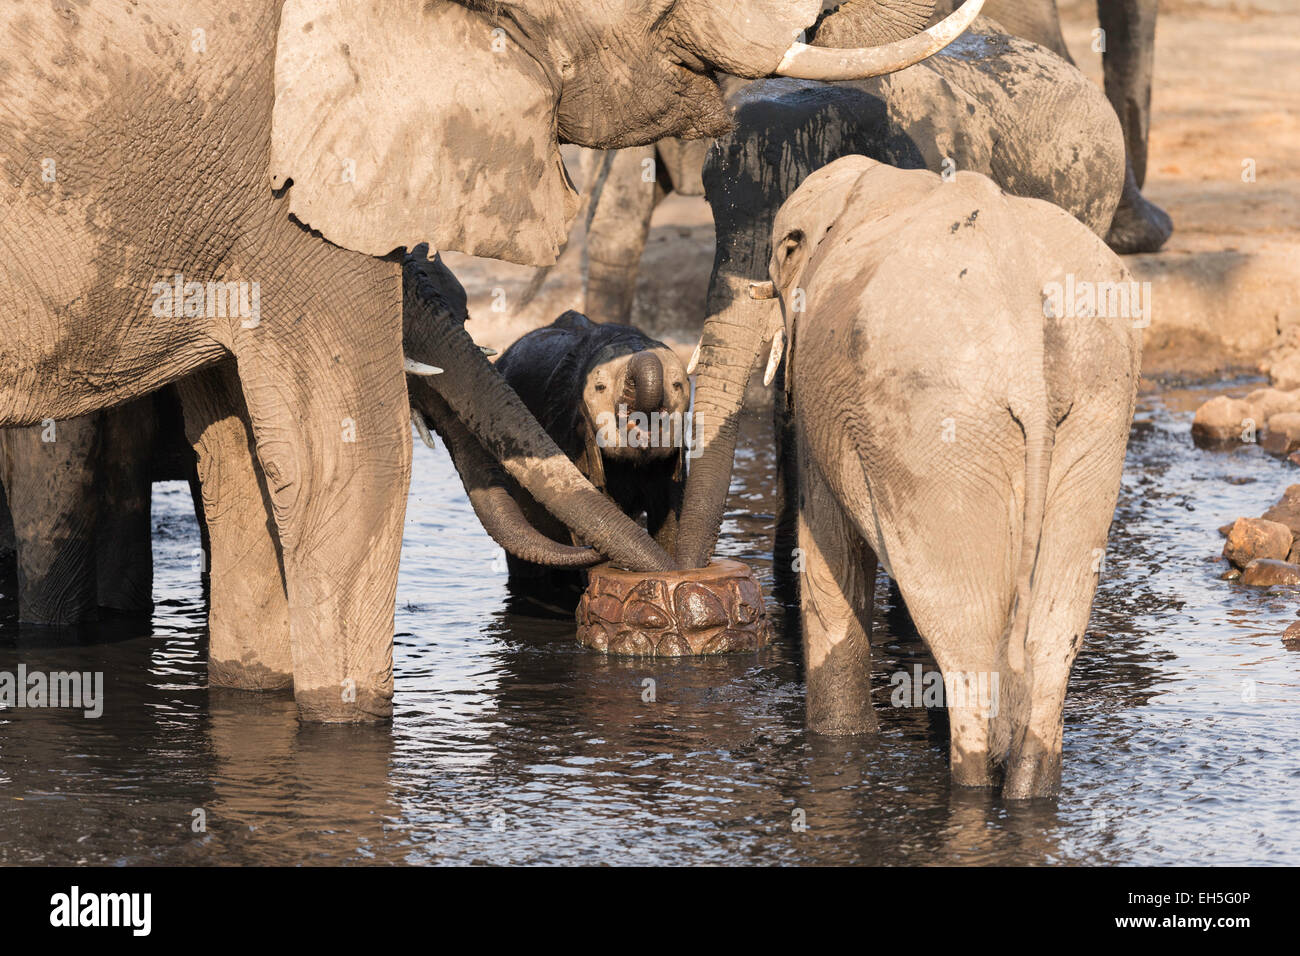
[(50, 476), (124, 536), (616, 234), (248, 611), (326, 394), (839, 573), (1128, 62), (8, 546)]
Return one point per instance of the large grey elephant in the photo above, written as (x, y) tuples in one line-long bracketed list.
[(190, 187), (627, 187), (988, 104), (961, 410)]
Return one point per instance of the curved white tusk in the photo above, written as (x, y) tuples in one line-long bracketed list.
[(487, 351), (422, 427), (419, 368), (695, 357), (774, 357), (762, 290), (804, 62)]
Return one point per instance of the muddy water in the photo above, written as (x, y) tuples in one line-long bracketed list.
[(511, 744)]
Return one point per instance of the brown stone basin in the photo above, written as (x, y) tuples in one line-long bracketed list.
[(712, 610)]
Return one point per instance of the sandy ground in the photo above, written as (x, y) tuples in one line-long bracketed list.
[(1225, 287)]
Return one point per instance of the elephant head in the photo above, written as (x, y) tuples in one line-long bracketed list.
[(400, 122), (624, 390)]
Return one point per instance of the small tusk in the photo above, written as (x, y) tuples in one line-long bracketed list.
[(695, 357), (487, 351), (774, 357), (762, 290), (831, 63), (422, 427), (419, 368)]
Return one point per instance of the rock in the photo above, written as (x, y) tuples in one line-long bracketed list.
[(1231, 574), (698, 608), (1265, 573), (646, 616), (1267, 402), (1287, 509), (1284, 370), (1291, 636), (1282, 435), (1225, 529), (1253, 538), (1223, 421)]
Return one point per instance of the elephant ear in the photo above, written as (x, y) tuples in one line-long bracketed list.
[(401, 122)]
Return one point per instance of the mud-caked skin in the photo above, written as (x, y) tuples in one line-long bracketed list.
[(616, 402), (960, 418), (1128, 60)]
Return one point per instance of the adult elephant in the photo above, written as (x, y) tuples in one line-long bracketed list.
[(987, 104), (1127, 41), (627, 186), (184, 183)]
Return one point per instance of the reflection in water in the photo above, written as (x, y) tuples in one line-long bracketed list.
[(513, 744)]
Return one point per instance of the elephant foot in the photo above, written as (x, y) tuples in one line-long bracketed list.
[(1139, 225), (712, 610), (1033, 772), (239, 675)]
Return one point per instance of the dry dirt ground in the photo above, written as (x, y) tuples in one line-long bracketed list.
[(1224, 289)]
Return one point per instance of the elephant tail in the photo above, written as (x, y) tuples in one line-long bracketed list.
[(1015, 663)]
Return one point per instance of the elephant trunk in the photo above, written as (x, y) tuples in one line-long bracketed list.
[(730, 349), (485, 485), (645, 381), (493, 413)]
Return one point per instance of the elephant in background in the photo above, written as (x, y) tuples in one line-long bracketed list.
[(988, 104), (1128, 61), (80, 496), (623, 199), (963, 424), (260, 246)]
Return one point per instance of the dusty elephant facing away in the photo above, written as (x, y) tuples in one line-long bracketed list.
[(163, 160), (961, 409)]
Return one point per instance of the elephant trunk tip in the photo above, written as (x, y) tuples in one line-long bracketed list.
[(645, 382)]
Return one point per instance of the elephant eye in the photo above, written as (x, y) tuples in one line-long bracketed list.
[(600, 386), (792, 242)]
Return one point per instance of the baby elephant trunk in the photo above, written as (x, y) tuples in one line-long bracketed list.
[(645, 382)]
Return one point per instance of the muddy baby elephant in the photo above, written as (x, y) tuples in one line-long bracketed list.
[(616, 402), (962, 373)]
